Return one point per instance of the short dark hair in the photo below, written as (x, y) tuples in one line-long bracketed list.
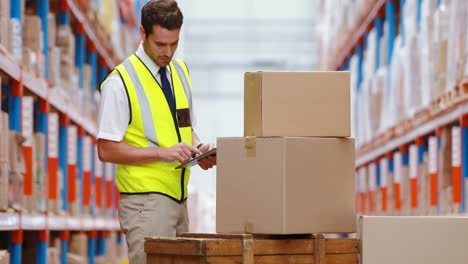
[(161, 12)]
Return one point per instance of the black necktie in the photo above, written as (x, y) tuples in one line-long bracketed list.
[(166, 87)]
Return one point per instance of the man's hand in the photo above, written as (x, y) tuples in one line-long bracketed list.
[(208, 162), (181, 152)]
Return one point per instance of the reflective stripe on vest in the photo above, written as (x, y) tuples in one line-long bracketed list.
[(154, 125)]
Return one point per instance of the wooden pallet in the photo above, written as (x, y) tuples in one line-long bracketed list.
[(252, 249)]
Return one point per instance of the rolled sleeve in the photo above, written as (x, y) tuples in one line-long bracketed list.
[(114, 109)]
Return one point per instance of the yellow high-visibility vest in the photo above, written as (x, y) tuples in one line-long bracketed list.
[(152, 124)]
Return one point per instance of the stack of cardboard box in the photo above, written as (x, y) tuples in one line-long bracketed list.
[(4, 257), (54, 53), (66, 43), (33, 59), (40, 177), (5, 33), (293, 172), (4, 160), (17, 170)]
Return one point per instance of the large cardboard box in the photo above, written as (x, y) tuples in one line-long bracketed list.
[(17, 169), (4, 138), (285, 185), (298, 104), (79, 245), (4, 257), (414, 239)]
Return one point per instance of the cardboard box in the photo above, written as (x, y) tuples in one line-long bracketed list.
[(4, 32), (53, 255), (5, 8), (40, 177), (285, 185), (52, 30), (4, 257), (17, 169), (32, 33), (54, 66), (303, 104), (30, 60), (413, 239), (10, 39), (4, 138), (4, 172), (75, 259), (79, 245)]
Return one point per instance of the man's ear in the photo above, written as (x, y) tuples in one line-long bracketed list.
[(142, 32)]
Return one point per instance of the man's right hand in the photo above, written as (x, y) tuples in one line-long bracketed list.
[(181, 152)]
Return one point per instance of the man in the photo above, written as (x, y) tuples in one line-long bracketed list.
[(145, 126)]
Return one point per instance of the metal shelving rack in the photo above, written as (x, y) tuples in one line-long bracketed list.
[(90, 48), (409, 140)]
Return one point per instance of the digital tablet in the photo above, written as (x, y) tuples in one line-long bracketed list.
[(194, 161)]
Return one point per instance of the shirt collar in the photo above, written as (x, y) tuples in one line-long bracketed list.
[(153, 67)]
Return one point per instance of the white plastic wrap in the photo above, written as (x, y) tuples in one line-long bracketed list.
[(378, 87), (411, 77)]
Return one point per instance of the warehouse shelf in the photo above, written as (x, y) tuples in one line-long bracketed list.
[(381, 147), (9, 221), (35, 85), (57, 222), (54, 96), (49, 101), (10, 67), (33, 222), (110, 61), (16, 221), (353, 37)]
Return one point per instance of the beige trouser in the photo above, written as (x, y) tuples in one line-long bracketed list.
[(150, 215)]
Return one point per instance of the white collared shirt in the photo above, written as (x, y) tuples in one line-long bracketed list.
[(114, 111), (153, 67)]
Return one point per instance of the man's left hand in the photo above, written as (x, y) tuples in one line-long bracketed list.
[(208, 162)]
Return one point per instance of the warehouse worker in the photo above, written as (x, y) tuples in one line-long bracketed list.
[(145, 127)]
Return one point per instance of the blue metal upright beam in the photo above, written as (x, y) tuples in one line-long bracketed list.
[(419, 15), (92, 247), (347, 62), (16, 7), (14, 105), (439, 173), (360, 54), (464, 164), (391, 166), (92, 205), (64, 122), (379, 32), (378, 180), (102, 73), (15, 247), (42, 127), (391, 25), (92, 61), (43, 13), (101, 246), (63, 17), (80, 51), (402, 22), (42, 243), (64, 238)]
